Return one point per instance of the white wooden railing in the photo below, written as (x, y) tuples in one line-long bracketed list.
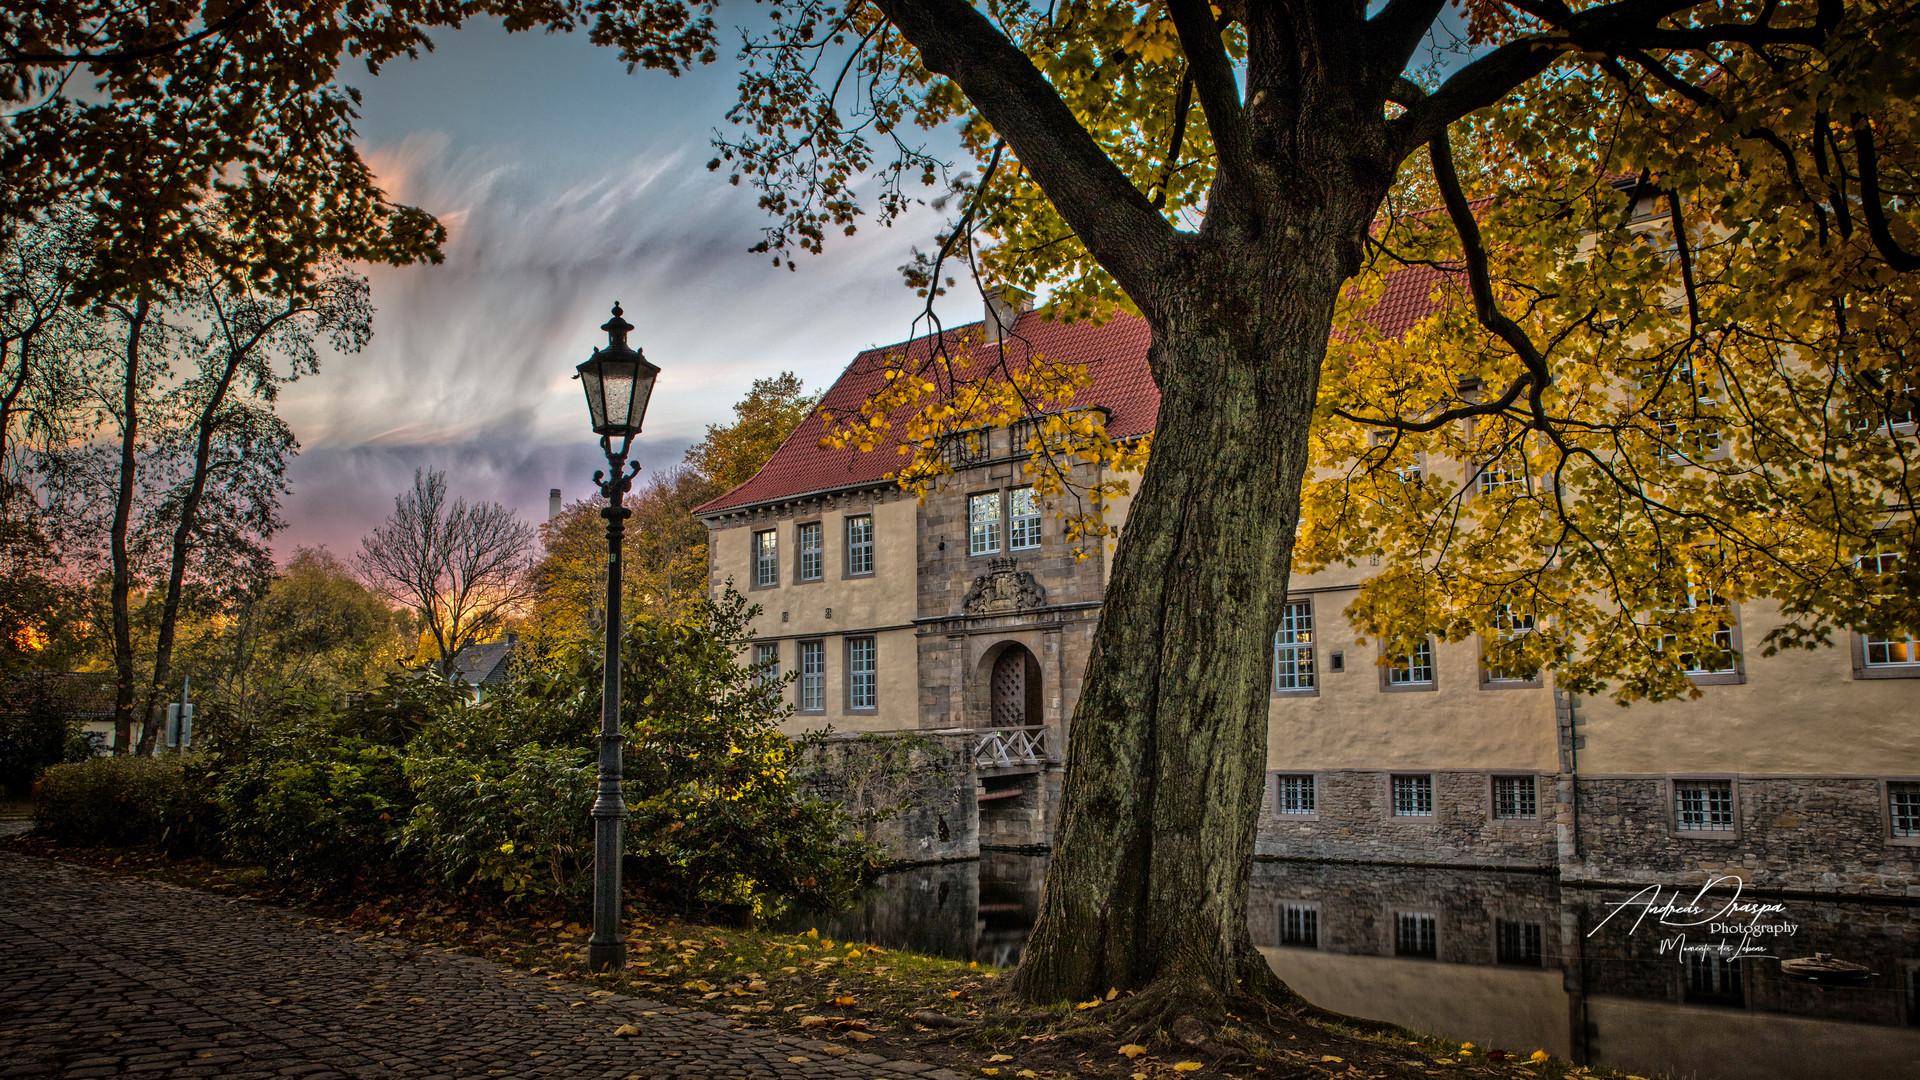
[(1007, 747)]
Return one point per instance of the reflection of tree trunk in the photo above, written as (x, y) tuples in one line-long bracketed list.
[(1147, 888), (117, 535)]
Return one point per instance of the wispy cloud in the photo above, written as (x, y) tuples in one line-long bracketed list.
[(471, 362)]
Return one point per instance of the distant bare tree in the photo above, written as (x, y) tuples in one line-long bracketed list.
[(461, 568)]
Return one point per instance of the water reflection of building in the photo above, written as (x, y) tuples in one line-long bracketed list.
[(969, 611), (1516, 960)]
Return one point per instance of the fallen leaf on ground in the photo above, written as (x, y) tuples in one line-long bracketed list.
[(1094, 1004), (844, 1000), (836, 1051), (799, 1060), (858, 1036), (1028, 1073), (1330, 1057), (1185, 1066), (1111, 994), (813, 1021), (625, 1030), (1132, 1050), (1000, 1057)]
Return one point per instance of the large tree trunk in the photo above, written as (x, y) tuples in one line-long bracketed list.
[(1166, 756), (118, 534)]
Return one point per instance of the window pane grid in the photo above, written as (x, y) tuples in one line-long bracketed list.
[(1511, 625), (860, 545), (767, 659), (813, 676), (1023, 519), (1903, 807), (766, 558), (983, 524), (1515, 797), (1415, 935), (1517, 942), (1293, 648), (1413, 796), (1414, 668), (1300, 925), (860, 673), (1705, 805), (1294, 795), (808, 537)]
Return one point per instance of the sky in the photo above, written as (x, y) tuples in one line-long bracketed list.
[(565, 185)]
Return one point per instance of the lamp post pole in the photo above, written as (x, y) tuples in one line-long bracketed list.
[(607, 948), (619, 382)]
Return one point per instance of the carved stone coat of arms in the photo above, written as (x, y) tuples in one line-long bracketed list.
[(1003, 588)]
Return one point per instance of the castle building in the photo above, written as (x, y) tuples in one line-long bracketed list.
[(970, 611)]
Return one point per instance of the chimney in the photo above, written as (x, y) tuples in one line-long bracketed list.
[(553, 503), (1005, 305)]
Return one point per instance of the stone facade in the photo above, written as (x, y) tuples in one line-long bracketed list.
[(993, 639), (1354, 819), (915, 793), (1819, 834)]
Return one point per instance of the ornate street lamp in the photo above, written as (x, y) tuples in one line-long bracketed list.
[(618, 381)]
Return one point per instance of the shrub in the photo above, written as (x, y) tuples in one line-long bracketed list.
[(517, 823), (37, 729), (327, 813), (717, 814), (117, 800)]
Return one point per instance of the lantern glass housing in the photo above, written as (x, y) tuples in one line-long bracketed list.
[(618, 380)]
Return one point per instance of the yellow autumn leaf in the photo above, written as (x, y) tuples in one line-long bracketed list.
[(625, 1030), (1540, 1057), (1329, 1057), (1000, 1057), (843, 1000), (991, 1072), (1185, 1066), (1111, 994), (813, 933), (1132, 1050), (1095, 1003)]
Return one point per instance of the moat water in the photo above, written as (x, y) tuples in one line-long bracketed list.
[(1609, 976)]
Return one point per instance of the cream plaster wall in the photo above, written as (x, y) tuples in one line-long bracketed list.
[(1353, 724), (1798, 713), (836, 606)]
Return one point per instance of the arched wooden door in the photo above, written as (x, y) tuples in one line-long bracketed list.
[(1016, 689)]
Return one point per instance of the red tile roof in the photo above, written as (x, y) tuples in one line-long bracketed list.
[(1115, 355)]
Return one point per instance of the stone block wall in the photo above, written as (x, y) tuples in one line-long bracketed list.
[(914, 791), (1024, 821), (1810, 834), (1353, 819)]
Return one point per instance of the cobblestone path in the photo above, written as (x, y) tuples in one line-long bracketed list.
[(109, 976)]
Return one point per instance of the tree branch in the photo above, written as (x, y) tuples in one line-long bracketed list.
[(1213, 81), (1398, 30), (124, 56), (1897, 257), (1474, 254), (1182, 101), (1115, 221)]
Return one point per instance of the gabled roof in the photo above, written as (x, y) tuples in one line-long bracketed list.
[(485, 664), (1115, 355)]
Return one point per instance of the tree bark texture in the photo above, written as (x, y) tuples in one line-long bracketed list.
[(1167, 750)]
